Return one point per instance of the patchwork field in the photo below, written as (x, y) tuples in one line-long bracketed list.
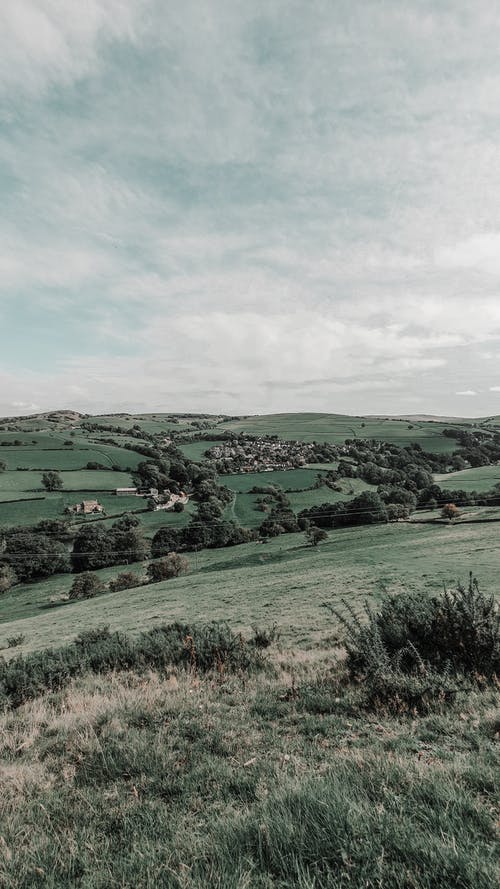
[(335, 428), (283, 581)]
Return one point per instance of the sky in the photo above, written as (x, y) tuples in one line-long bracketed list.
[(250, 207)]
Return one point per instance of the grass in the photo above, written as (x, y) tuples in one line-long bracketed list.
[(283, 581), (482, 478), (50, 453), (288, 479), (335, 428), (179, 781), (196, 449), (244, 507), (13, 483)]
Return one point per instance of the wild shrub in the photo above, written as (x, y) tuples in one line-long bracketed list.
[(459, 630), (86, 586), (196, 647), (263, 638), (124, 581), (13, 641), (172, 565), (418, 650)]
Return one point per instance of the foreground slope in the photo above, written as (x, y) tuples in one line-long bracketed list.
[(283, 581)]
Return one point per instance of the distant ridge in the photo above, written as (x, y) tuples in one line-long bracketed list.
[(422, 418)]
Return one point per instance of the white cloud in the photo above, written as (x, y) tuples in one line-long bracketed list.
[(466, 392), (245, 196), (481, 252), (43, 42), (494, 388)]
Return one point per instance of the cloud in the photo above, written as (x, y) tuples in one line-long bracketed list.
[(494, 388), (248, 198), (466, 392), (480, 252), (42, 45)]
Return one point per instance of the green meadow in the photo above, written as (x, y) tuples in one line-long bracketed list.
[(282, 775), (196, 449), (482, 478), (288, 479), (336, 428), (284, 582)]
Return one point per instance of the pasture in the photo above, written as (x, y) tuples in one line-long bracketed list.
[(336, 428), (481, 478), (288, 479), (196, 449), (283, 581)]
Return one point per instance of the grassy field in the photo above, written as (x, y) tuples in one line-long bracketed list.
[(51, 506), (195, 449), (289, 479), (257, 782), (283, 581), (244, 507), (335, 428), (12, 483), (482, 478), (148, 422), (44, 451)]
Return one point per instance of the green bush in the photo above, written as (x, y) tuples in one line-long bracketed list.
[(126, 580), (199, 648), (417, 651), (86, 586), (457, 631)]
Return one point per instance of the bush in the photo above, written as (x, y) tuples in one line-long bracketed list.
[(164, 569), (417, 651), (33, 556), (315, 535), (86, 586), (199, 648), (458, 631), (13, 641), (125, 581)]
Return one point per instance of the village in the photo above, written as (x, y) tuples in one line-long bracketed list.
[(261, 455)]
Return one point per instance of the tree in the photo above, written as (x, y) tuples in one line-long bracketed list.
[(164, 569), (35, 555), (8, 578), (166, 540), (52, 481), (450, 511), (397, 511), (86, 586), (315, 535), (3, 466)]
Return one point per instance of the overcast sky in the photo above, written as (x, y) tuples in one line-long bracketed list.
[(250, 206)]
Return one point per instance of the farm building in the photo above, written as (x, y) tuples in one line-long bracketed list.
[(126, 492), (87, 507)]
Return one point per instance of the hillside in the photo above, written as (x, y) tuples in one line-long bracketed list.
[(165, 750)]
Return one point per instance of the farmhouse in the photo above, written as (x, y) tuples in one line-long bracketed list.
[(87, 507)]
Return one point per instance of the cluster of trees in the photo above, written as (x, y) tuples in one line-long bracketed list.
[(31, 556), (197, 535), (96, 546), (366, 509), (88, 584)]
